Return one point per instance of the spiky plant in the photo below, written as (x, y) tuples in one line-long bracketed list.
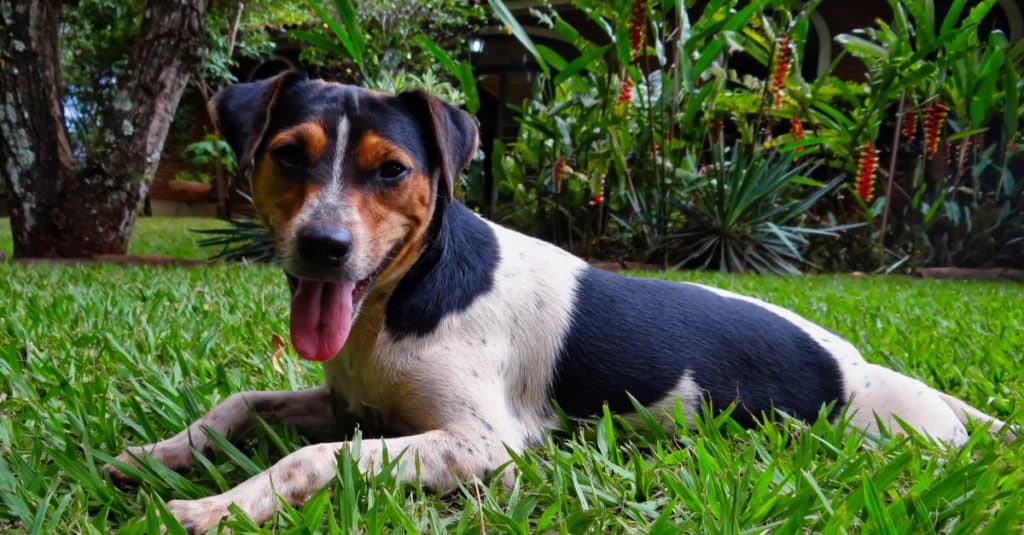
[(746, 212), (243, 240)]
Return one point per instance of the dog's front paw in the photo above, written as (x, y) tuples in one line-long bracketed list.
[(166, 453), (198, 516), (128, 457)]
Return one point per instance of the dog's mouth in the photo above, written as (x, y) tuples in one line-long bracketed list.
[(322, 313)]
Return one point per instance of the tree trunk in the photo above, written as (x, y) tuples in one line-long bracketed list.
[(58, 207)]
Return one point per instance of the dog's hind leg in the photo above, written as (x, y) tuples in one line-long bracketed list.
[(308, 411), (878, 394), (968, 413)]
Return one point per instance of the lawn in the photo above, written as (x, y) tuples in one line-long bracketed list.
[(154, 235), (95, 357)]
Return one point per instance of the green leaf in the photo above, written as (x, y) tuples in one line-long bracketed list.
[(467, 82), (462, 71), (355, 31), (571, 35), (581, 63), (862, 47), (978, 13), (339, 33), (319, 41), (1011, 108), (441, 56), (707, 56), (508, 19), (553, 59), (224, 445)]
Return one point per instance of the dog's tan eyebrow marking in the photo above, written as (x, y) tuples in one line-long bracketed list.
[(373, 150), (310, 135), (340, 143)]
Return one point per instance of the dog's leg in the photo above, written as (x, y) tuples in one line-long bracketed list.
[(966, 412), (309, 411), (444, 457), (887, 394)]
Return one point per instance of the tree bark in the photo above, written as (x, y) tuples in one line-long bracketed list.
[(60, 208)]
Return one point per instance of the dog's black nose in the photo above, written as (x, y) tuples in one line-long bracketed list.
[(324, 246)]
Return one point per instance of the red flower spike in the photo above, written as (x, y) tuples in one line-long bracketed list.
[(637, 27), (558, 171), (867, 164), (626, 92), (933, 128), (963, 151), (910, 125), (783, 60), (796, 129)]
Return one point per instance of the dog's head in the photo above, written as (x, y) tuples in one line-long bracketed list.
[(348, 180)]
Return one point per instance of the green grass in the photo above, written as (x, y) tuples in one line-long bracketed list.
[(153, 235), (92, 358)]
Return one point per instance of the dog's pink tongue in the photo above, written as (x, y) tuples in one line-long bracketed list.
[(321, 318)]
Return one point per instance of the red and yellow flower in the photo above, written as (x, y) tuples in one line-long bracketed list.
[(867, 166), (910, 125), (626, 91), (782, 62), (796, 129), (637, 27), (933, 127)]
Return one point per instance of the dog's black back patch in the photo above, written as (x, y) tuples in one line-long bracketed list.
[(456, 266), (642, 335)]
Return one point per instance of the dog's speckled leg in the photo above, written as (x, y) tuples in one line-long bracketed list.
[(307, 410), (443, 458)]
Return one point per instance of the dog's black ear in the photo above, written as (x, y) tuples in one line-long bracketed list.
[(453, 133), (241, 112)]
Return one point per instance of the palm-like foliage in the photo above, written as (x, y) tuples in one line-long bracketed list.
[(745, 211), (243, 240)]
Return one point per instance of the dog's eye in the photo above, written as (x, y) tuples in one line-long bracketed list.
[(391, 170), (289, 156)]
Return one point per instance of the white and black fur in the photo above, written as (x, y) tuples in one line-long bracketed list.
[(489, 326)]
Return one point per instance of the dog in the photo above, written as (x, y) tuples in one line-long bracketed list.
[(458, 334)]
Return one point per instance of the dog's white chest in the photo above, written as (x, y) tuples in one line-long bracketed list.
[(359, 387)]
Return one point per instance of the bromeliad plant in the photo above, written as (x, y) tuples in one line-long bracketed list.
[(744, 212)]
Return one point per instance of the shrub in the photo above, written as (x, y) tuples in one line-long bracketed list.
[(612, 149), (610, 136)]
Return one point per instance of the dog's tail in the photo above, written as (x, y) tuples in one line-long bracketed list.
[(965, 413)]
